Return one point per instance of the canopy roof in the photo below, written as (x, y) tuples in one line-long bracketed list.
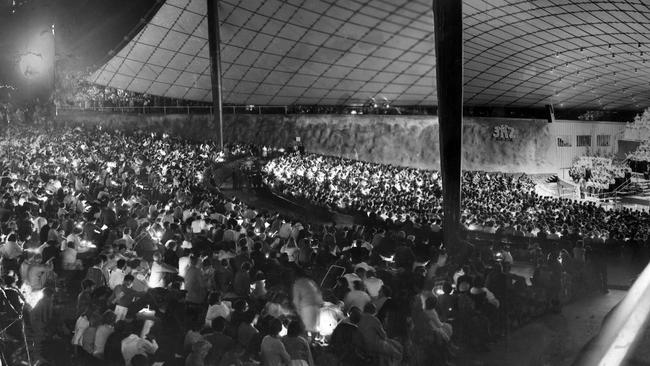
[(518, 53)]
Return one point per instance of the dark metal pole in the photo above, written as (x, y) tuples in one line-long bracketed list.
[(448, 27), (214, 40)]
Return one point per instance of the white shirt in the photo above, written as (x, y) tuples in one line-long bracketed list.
[(356, 298), (187, 214), (116, 278), (101, 336), (292, 252), (69, 256), (373, 285), (39, 222), (10, 250), (198, 226), (351, 277), (72, 238), (81, 325), (217, 310), (134, 345), (285, 230), (128, 241), (157, 276), (219, 218), (183, 265)]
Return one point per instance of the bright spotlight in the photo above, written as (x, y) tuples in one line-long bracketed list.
[(31, 64)]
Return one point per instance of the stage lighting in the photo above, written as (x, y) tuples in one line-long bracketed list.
[(31, 64)]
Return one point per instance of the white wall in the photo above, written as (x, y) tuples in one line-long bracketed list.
[(562, 157)]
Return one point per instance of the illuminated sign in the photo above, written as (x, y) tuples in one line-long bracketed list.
[(503, 133)]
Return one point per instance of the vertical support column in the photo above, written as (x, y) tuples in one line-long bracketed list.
[(214, 40), (448, 28)]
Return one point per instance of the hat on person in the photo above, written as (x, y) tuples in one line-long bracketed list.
[(365, 266)]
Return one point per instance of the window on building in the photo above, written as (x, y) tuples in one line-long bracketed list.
[(564, 141), (602, 140), (583, 140)]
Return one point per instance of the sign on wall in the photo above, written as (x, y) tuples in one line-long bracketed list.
[(503, 133)]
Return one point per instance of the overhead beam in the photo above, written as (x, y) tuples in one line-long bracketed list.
[(448, 31), (214, 42)]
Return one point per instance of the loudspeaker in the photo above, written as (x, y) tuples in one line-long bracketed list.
[(550, 113)]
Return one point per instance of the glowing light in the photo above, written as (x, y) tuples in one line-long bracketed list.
[(327, 321), (31, 297), (88, 244), (31, 64), (390, 259)]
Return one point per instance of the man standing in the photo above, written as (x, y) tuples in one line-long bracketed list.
[(195, 287), (41, 317), (124, 296)]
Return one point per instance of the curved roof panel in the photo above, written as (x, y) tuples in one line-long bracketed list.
[(518, 53)]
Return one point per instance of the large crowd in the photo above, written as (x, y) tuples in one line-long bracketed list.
[(122, 249), (599, 174), (491, 202)]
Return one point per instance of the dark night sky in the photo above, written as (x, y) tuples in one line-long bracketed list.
[(85, 30)]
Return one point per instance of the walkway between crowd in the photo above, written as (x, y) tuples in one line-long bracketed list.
[(552, 340), (253, 197)]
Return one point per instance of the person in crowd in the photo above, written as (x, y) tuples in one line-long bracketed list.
[(84, 300), (358, 297), (124, 296), (89, 335), (444, 329), (194, 285), (117, 274), (10, 249), (273, 352), (216, 308), (104, 330), (134, 345), (347, 342), (246, 331), (376, 342), (200, 350), (372, 284), (221, 343), (43, 321), (69, 258), (242, 280), (96, 273), (296, 346), (307, 300), (159, 269), (446, 303)]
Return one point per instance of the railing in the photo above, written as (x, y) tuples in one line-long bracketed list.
[(179, 109), (622, 186), (352, 109), (611, 194)]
